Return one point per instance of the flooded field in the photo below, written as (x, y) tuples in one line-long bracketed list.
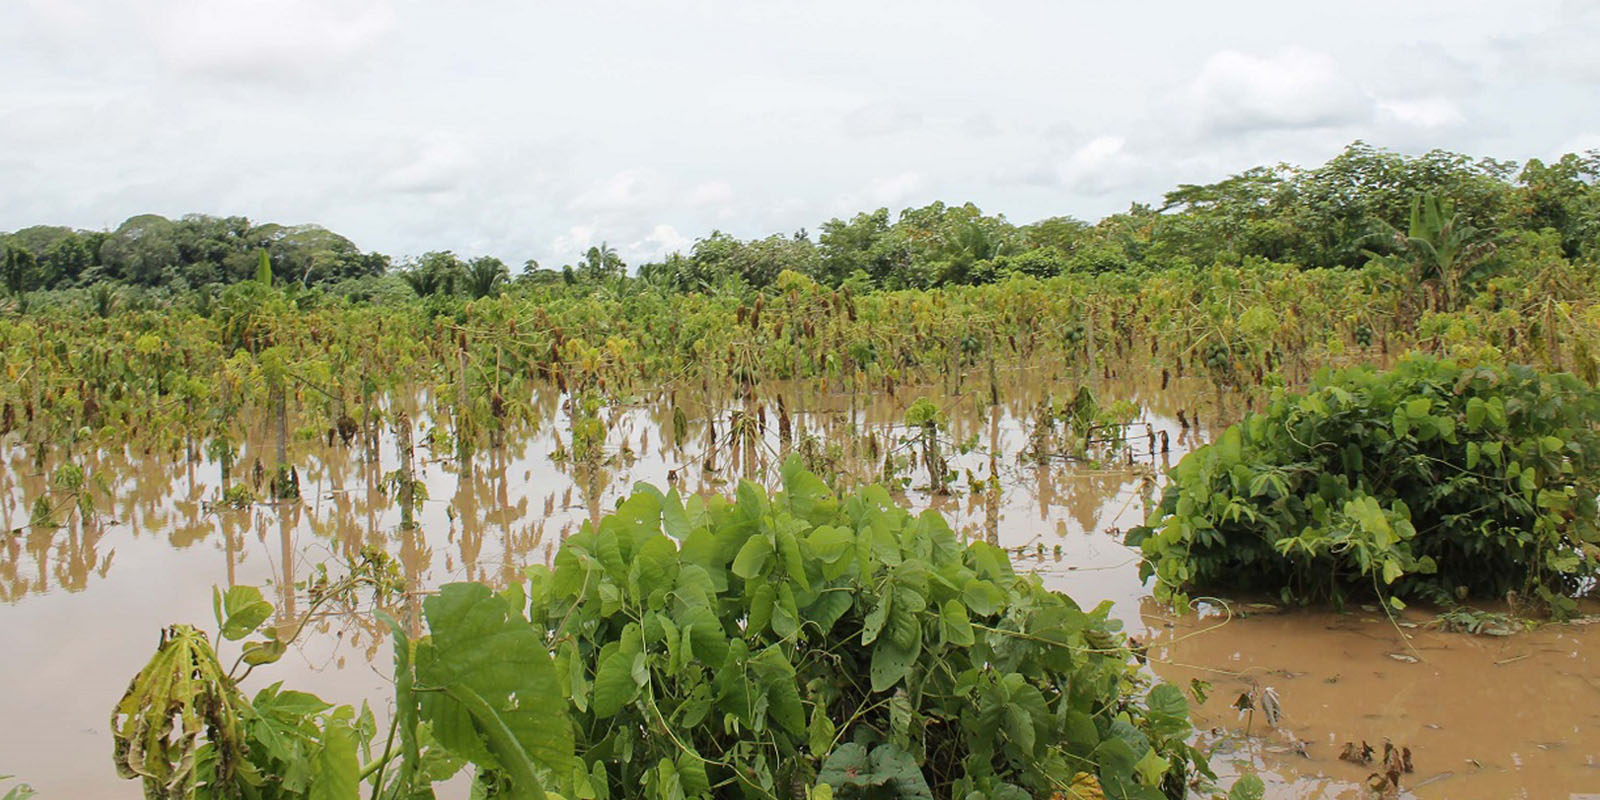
[(1484, 716)]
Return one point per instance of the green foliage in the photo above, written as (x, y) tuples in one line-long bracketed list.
[(1247, 787), (485, 277), (1432, 481), (436, 273), (793, 646), (887, 772), (21, 791), (748, 648), (264, 269), (239, 495), (485, 682), (1446, 253), (157, 726), (923, 413), (185, 730)]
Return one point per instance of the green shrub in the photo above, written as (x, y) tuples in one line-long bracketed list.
[(1430, 481), (717, 649), (792, 647)]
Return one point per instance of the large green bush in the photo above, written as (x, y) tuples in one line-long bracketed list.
[(792, 647), (743, 649), (1432, 481)]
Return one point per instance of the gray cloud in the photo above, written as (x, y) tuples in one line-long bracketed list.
[(1238, 92), (877, 119), (537, 129)]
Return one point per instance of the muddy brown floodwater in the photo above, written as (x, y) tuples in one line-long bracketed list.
[(1484, 716), (81, 605)]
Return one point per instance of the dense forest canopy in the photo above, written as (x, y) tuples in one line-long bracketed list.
[(1366, 202)]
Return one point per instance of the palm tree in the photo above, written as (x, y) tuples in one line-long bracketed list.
[(422, 281), (601, 262), (434, 273), (485, 276)]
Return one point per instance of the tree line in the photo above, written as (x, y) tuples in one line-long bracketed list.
[(1364, 203)]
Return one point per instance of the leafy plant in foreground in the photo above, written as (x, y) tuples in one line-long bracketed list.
[(21, 791), (752, 648), (1432, 480), (802, 645), (186, 730)]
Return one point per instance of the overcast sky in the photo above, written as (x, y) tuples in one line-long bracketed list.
[(530, 129)]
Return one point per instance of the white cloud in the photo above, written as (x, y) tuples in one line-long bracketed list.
[(622, 191), (880, 119), (1101, 165), (894, 189), (1564, 50), (267, 40), (1429, 112), (439, 164), (1582, 143), (980, 126), (710, 193), (1294, 88), (661, 240), (577, 240)]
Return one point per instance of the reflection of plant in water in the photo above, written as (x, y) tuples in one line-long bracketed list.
[(928, 421), (73, 491), (1078, 428), (587, 428), (1477, 622), (403, 483)]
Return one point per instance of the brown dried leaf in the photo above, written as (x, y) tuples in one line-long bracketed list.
[(1354, 755), (1270, 707)]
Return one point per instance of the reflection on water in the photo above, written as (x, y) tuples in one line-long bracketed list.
[(85, 600)]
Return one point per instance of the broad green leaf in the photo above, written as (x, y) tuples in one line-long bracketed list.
[(615, 684), (954, 627), (1169, 711), (1477, 412), (1392, 570), (752, 557), (828, 544), (982, 597), (887, 772), (761, 602), (1247, 787), (794, 563), (819, 734), (785, 616), (891, 663), (1151, 768), (243, 610), (335, 768), (692, 774), (1019, 728), (479, 648), (873, 624), (673, 519), (264, 652), (831, 604)]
